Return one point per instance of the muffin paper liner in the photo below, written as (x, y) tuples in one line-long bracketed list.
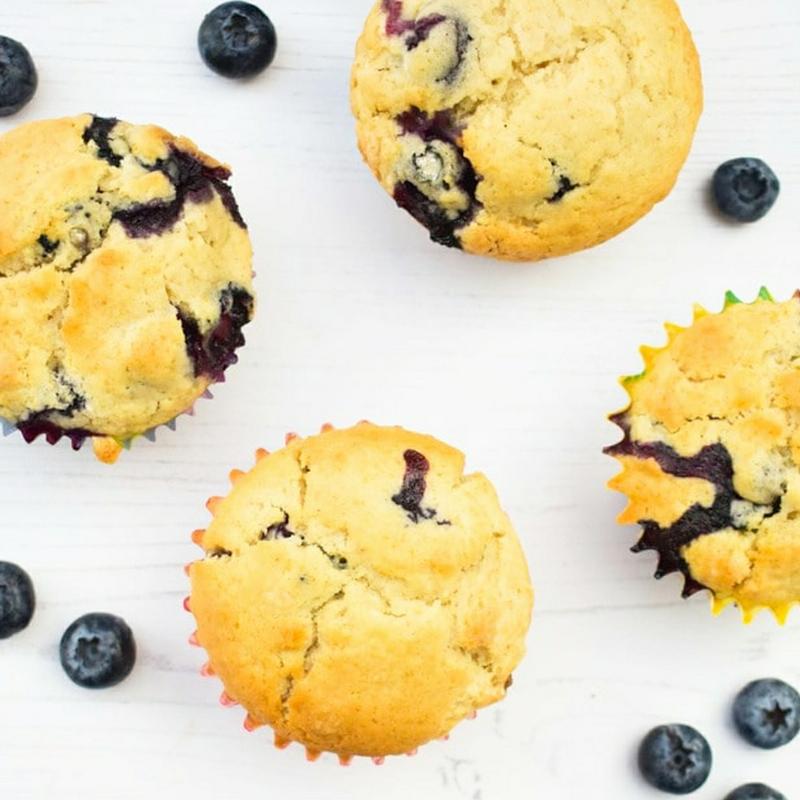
[(108, 448), (649, 354), (207, 669)]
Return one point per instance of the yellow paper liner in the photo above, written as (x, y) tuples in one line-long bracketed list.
[(749, 611)]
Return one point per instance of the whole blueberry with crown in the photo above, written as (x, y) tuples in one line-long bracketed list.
[(675, 759), (18, 76), (237, 40), (745, 189), (711, 454), (17, 599), (125, 279), (98, 651), (767, 713)]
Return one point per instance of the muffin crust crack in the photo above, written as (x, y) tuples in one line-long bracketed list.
[(290, 681)]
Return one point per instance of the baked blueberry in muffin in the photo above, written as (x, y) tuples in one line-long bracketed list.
[(711, 454), (125, 279), (529, 128)]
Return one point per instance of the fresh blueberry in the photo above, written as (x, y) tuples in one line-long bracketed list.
[(98, 651), (237, 40), (18, 79), (745, 189), (755, 791), (675, 759), (767, 713), (17, 600)]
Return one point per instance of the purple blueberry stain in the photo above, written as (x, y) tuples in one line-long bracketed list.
[(193, 181), (99, 132), (420, 30), (564, 184), (416, 31), (463, 41), (48, 245), (72, 401), (278, 530), (412, 491), (441, 125), (213, 352), (442, 223), (713, 463)]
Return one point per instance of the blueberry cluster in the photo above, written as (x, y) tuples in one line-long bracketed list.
[(97, 650), (678, 759)]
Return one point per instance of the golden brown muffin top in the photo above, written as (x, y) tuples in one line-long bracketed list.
[(711, 454), (361, 594), (125, 277)]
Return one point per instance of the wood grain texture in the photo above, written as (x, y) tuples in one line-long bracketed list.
[(361, 317)]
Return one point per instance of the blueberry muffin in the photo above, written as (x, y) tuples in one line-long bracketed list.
[(711, 454), (350, 573), (528, 128), (125, 279)]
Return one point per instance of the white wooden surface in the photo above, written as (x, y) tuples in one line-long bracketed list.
[(361, 317)]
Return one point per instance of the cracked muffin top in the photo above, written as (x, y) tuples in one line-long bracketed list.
[(711, 454), (125, 278), (359, 593), (523, 129)]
